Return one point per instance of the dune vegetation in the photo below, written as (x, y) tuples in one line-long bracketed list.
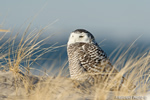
[(17, 81)]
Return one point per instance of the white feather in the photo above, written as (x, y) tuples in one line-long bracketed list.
[(75, 37)]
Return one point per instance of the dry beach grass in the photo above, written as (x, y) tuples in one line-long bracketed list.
[(17, 84)]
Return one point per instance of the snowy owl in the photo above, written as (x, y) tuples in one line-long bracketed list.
[(85, 56), (87, 61)]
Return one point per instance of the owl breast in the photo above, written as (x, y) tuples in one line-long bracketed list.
[(85, 58), (75, 68)]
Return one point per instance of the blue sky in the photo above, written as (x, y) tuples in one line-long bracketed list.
[(107, 18)]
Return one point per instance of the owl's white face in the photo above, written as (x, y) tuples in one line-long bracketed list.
[(80, 36)]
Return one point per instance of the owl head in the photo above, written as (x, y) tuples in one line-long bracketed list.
[(81, 36)]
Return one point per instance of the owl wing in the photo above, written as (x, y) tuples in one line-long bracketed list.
[(93, 59)]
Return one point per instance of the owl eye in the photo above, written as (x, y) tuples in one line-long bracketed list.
[(81, 36)]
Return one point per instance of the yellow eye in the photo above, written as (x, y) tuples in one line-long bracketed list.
[(81, 36)]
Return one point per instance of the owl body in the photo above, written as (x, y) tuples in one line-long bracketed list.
[(88, 62), (86, 58)]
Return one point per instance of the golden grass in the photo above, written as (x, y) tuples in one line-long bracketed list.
[(2, 30), (135, 67)]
